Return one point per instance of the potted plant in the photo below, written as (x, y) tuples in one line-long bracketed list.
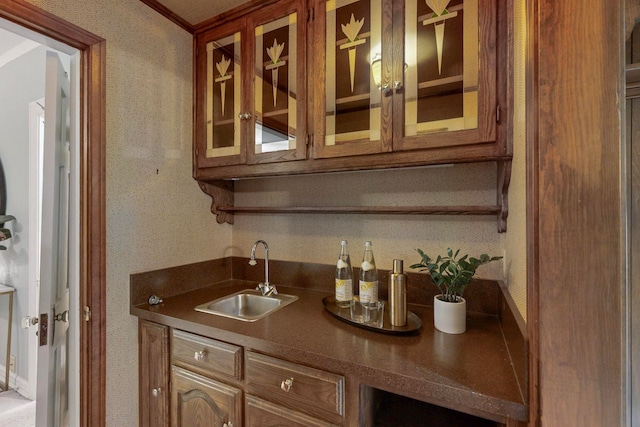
[(451, 275)]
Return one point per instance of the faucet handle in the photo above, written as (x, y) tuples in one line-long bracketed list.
[(266, 289)]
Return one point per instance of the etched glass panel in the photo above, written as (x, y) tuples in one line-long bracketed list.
[(353, 40), (275, 85), (224, 86), (441, 69)]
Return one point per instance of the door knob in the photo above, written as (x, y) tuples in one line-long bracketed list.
[(62, 317), (28, 321)]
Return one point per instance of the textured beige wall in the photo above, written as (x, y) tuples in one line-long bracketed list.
[(515, 240), (156, 214), (316, 238)]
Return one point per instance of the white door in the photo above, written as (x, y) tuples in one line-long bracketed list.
[(53, 375)]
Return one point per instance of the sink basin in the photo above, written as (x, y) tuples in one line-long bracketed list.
[(247, 305)]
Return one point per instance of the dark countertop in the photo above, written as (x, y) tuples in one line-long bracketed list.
[(471, 372)]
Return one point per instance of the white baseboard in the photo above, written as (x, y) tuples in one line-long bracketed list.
[(17, 383)]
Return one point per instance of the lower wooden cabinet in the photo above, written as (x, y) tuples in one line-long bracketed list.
[(260, 413), (153, 369), (197, 401), (178, 389)]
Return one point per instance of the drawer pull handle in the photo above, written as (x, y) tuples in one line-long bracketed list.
[(286, 385), (156, 392), (200, 355)]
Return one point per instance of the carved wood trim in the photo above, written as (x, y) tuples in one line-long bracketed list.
[(199, 394), (221, 193), (504, 178)]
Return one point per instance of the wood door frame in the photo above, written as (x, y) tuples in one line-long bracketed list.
[(92, 196)]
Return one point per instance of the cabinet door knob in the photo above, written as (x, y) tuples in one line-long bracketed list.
[(156, 392), (200, 355), (244, 116), (286, 385), (229, 424)]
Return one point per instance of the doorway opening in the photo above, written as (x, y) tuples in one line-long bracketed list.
[(25, 65), (91, 302)]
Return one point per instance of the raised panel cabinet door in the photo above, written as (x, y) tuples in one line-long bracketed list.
[(197, 401), (153, 359)]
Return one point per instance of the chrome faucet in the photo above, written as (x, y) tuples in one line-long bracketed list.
[(265, 288)]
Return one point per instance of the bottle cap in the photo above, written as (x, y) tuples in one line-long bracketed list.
[(367, 244), (344, 242), (397, 266)]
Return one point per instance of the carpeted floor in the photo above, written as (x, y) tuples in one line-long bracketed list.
[(16, 410)]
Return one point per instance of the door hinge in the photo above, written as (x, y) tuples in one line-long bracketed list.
[(498, 114), (309, 141), (87, 313)]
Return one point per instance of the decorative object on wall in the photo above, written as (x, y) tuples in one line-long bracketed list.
[(351, 30), (440, 14), (5, 233), (222, 67), (3, 193), (274, 53), (451, 275)]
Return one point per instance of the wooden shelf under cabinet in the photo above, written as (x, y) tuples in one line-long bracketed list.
[(221, 192)]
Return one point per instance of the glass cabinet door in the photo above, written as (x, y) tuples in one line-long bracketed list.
[(446, 79), (279, 83), (352, 113), (220, 115)]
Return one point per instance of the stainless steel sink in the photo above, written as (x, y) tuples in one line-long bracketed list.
[(247, 305)]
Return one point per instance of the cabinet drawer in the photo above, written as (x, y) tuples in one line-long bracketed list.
[(260, 413), (311, 390), (205, 353)]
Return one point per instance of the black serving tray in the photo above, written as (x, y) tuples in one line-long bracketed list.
[(413, 321)]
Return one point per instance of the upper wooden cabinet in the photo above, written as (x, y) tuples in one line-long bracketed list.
[(311, 86), (251, 88), (404, 75), (348, 85)]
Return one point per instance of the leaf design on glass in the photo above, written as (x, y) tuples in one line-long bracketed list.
[(223, 65), (438, 6), (275, 51), (352, 29)]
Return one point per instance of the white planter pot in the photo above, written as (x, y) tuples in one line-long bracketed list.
[(450, 317)]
